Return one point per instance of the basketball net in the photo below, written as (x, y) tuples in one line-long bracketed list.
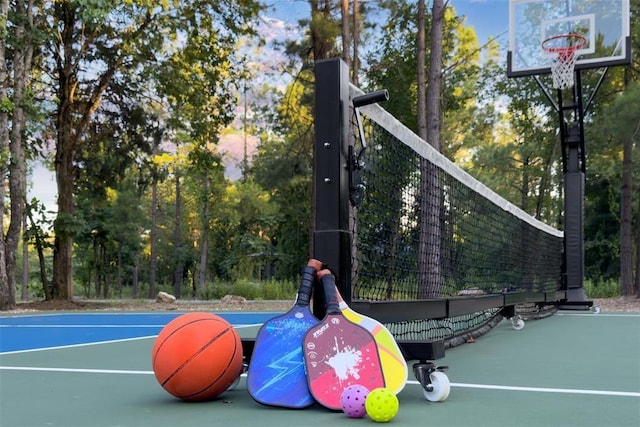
[(564, 58)]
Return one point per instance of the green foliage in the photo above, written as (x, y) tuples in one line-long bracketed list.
[(69, 224), (213, 291), (245, 288), (278, 290), (251, 290), (6, 105), (602, 289)]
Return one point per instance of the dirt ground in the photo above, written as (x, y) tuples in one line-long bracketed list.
[(606, 304)]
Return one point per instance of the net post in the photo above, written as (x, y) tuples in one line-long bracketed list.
[(332, 236)]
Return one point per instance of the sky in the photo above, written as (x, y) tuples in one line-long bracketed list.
[(489, 18)]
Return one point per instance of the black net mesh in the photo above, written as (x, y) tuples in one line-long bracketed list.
[(425, 229)]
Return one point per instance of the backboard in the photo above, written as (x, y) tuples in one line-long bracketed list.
[(603, 23)]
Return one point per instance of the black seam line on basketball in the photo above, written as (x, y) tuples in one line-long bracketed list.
[(196, 354), (235, 348), (176, 331)]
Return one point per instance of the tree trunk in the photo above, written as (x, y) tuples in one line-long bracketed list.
[(63, 242), (178, 257), (119, 271), (106, 289), (355, 63), (638, 250), (434, 87), (546, 180), (154, 233), (134, 278), (5, 297), (17, 165), (24, 287), (65, 148), (204, 246), (626, 227), (429, 269), (320, 17), (39, 241), (96, 269), (345, 32), (524, 200)]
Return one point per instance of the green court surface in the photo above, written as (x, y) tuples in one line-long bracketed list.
[(572, 369)]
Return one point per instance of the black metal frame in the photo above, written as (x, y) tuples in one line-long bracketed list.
[(332, 235)]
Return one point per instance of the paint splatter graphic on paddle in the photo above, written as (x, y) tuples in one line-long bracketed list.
[(394, 367), (338, 353), (276, 374)]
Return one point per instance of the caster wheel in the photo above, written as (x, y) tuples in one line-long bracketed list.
[(440, 385), (517, 323), (595, 309)]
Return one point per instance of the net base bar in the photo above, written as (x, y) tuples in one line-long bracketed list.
[(399, 311), (422, 350)]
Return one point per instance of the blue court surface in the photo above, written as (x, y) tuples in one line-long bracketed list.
[(31, 332)]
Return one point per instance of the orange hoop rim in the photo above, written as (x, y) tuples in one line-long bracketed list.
[(566, 50)]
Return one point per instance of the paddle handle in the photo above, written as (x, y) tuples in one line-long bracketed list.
[(328, 282), (307, 281)]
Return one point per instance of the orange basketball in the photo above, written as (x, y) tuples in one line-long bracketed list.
[(197, 356)]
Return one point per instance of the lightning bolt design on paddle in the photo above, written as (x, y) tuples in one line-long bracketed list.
[(288, 365)]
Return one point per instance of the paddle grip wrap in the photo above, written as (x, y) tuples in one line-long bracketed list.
[(330, 295), (307, 282)]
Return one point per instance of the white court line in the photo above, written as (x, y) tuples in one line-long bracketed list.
[(83, 371), (65, 326), (461, 385), (62, 347), (598, 314), (543, 389)]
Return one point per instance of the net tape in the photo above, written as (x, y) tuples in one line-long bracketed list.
[(479, 243)]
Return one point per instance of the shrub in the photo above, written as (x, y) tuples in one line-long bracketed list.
[(602, 289)]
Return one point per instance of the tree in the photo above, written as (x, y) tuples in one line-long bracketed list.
[(108, 189), (429, 275), (6, 301), (283, 168), (107, 37), (623, 123), (22, 39)]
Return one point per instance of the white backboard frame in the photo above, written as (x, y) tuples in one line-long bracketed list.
[(600, 21)]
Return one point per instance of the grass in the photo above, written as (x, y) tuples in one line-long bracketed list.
[(602, 289)]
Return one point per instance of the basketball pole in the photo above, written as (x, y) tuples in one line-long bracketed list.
[(574, 170)]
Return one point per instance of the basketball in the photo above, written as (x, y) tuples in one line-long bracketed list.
[(197, 356)]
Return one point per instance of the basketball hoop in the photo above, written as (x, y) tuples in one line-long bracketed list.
[(563, 49)]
